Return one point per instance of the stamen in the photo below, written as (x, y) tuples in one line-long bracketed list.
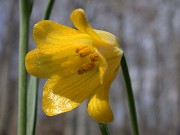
[(83, 51), (85, 68), (80, 48), (94, 57)]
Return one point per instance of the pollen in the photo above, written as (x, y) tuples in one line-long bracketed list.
[(94, 57), (80, 48), (83, 51), (85, 68)]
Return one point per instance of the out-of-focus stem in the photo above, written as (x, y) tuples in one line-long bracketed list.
[(23, 45), (48, 9), (131, 102), (104, 129)]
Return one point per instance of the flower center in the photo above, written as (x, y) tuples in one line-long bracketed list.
[(92, 57)]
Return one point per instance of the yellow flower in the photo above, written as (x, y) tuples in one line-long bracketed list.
[(80, 64)]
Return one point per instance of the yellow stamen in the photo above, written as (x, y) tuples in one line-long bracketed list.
[(80, 48), (94, 57), (85, 68), (83, 51)]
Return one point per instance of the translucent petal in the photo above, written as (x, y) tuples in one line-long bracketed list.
[(108, 37), (64, 94), (47, 32), (110, 48)]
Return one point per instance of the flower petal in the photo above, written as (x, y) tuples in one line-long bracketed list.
[(108, 37), (80, 22), (102, 66), (64, 94), (112, 48), (45, 61), (98, 106), (47, 32)]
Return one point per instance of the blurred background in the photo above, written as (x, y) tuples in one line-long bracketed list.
[(149, 31)]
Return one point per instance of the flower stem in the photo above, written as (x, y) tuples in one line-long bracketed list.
[(131, 103), (32, 103), (104, 129), (23, 45), (48, 9)]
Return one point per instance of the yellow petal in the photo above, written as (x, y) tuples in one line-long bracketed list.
[(45, 61), (108, 37), (98, 106), (111, 47), (102, 66), (80, 22), (112, 70), (64, 94), (47, 32)]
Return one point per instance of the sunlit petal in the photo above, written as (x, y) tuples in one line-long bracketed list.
[(110, 48), (45, 61), (64, 94), (47, 32), (98, 106), (80, 22)]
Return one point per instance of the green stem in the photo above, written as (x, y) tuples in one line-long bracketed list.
[(23, 45), (48, 9), (131, 103), (32, 102), (104, 129)]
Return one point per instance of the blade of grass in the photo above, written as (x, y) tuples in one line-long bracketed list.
[(23, 45), (131, 102), (32, 96)]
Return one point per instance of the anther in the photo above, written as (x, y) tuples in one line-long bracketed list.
[(85, 68), (80, 48), (94, 57), (83, 51)]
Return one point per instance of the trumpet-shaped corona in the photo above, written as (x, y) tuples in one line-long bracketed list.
[(79, 64)]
